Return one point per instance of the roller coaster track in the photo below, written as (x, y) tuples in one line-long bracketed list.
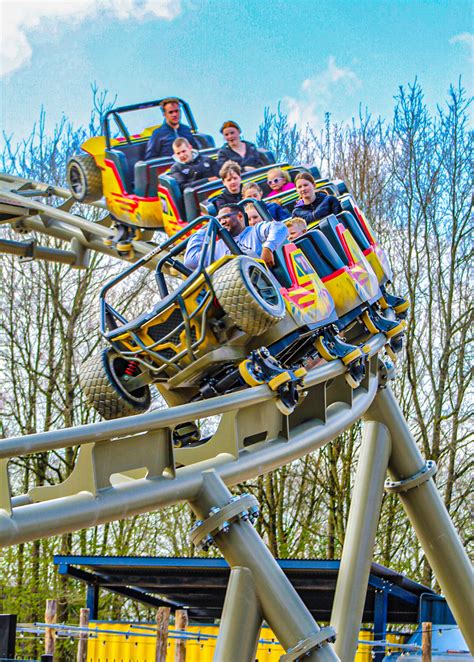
[(25, 214), (130, 466)]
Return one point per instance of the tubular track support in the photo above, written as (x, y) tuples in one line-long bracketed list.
[(427, 512), (362, 523), (280, 604), (241, 619)]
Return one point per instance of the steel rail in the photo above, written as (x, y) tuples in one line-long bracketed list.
[(67, 437), (84, 510), (61, 224)]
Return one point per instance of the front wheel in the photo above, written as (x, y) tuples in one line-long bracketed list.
[(248, 294), (102, 382), (84, 178)]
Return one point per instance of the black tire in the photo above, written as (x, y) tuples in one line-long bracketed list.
[(106, 393), (249, 295), (84, 178)]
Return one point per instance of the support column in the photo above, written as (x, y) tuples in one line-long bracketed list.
[(380, 621), (92, 601), (281, 605), (362, 523), (428, 515), (241, 619)]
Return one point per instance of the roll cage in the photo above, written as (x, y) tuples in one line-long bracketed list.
[(113, 323), (115, 114)]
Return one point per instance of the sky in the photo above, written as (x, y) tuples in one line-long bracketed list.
[(229, 59)]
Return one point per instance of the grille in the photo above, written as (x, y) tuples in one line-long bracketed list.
[(159, 331)]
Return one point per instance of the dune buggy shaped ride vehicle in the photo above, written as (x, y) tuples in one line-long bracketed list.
[(112, 166), (235, 323), (138, 194)]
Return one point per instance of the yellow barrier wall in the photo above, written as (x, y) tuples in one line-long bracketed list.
[(110, 647)]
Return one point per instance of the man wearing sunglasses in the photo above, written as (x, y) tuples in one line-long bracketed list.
[(162, 138), (257, 241)]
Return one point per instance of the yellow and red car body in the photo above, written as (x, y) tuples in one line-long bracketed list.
[(134, 210), (177, 339), (129, 183), (307, 300)]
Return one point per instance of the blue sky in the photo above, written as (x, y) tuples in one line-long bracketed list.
[(229, 59)]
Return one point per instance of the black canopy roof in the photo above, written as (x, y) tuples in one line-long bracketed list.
[(199, 584)]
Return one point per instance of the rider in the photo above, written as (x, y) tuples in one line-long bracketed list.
[(161, 141), (296, 227), (257, 241), (241, 151), (314, 205), (231, 176), (253, 190), (191, 167)]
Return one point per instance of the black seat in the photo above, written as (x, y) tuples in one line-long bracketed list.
[(120, 162), (279, 270), (174, 190), (328, 227), (320, 253)]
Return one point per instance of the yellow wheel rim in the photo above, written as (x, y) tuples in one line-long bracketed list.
[(322, 350), (246, 375), (355, 354), (371, 328), (279, 380)]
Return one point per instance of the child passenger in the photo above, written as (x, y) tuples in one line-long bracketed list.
[(296, 227), (279, 181), (230, 173), (252, 214), (253, 190)]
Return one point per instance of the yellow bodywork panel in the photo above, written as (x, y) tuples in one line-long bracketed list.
[(378, 260), (309, 301), (135, 210), (166, 322), (345, 291), (362, 271)]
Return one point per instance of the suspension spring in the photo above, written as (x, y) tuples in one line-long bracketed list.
[(132, 369)]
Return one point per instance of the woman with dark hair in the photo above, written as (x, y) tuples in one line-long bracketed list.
[(314, 205), (241, 151)]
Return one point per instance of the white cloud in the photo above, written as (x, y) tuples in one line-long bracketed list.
[(317, 93), (466, 39), (19, 18)]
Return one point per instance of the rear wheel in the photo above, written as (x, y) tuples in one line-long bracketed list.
[(84, 178), (249, 295), (106, 391)]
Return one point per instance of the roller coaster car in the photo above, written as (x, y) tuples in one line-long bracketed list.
[(360, 298), (231, 324), (112, 165)]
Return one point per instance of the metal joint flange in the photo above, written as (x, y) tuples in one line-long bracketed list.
[(324, 636), (416, 480), (243, 507), (387, 372)]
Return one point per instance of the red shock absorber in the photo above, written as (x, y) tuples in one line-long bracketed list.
[(132, 368)]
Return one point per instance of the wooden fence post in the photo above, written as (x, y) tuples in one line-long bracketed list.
[(181, 623), (162, 625), (50, 633), (426, 632), (83, 636)]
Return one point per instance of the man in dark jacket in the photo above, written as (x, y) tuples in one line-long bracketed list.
[(191, 168), (161, 141)]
